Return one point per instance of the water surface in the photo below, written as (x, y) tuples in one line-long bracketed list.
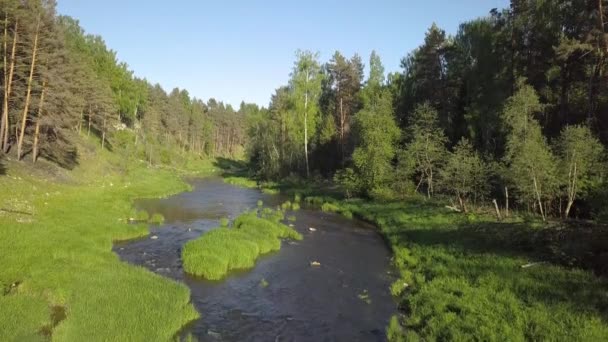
[(346, 298)]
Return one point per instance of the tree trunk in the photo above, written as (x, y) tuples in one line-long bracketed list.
[(506, 202), (342, 122), (35, 149), (430, 181), (7, 91), (571, 189), (497, 210), (103, 134), (29, 91), (89, 119), (463, 206), (540, 203), (306, 128), (3, 120), (80, 122)]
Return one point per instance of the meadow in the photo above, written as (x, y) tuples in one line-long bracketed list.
[(469, 277), (59, 278)]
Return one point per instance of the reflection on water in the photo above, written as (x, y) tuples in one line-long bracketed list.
[(283, 298)]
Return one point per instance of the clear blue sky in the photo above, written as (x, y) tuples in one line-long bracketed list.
[(243, 50)]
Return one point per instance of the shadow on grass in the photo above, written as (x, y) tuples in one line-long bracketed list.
[(290, 185), (2, 166), (231, 168), (448, 245)]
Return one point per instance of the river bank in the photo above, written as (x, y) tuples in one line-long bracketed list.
[(59, 278), (469, 277)]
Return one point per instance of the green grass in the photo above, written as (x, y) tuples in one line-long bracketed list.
[(243, 182), (157, 218), (56, 239), (270, 191), (222, 250), (461, 277)]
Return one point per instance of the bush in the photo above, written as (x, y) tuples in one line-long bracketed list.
[(348, 181)]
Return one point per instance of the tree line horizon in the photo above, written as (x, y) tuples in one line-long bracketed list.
[(514, 104)]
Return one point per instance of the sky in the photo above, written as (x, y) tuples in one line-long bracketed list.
[(243, 50)]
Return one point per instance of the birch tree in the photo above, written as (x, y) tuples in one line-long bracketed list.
[(425, 152), (306, 80), (580, 163), (531, 164)]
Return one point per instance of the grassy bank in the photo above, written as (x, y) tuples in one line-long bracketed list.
[(59, 278), (467, 277), (223, 249)]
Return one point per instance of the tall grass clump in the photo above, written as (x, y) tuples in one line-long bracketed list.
[(157, 218), (223, 249), (243, 182)]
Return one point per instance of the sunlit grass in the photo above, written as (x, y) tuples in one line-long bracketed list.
[(243, 182), (223, 249), (61, 256), (458, 282)]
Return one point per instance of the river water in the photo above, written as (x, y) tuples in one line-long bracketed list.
[(283, 298)]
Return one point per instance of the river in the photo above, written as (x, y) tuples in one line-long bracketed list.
[(283, 298)]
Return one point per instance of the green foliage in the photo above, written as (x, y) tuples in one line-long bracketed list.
[(463, 281), (425, 153), (531, 164), (378, 134), (395, 332), (348, 180), (221, 250), (271, 191), (157, 218), (286, 205), (465, 174), (330, 207), (142, 216), (62, 259), (241, 181), (581, 164), (224, 222)]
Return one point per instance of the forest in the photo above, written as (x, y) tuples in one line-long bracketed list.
[(461, 197), (60, 82), (512, 108)]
